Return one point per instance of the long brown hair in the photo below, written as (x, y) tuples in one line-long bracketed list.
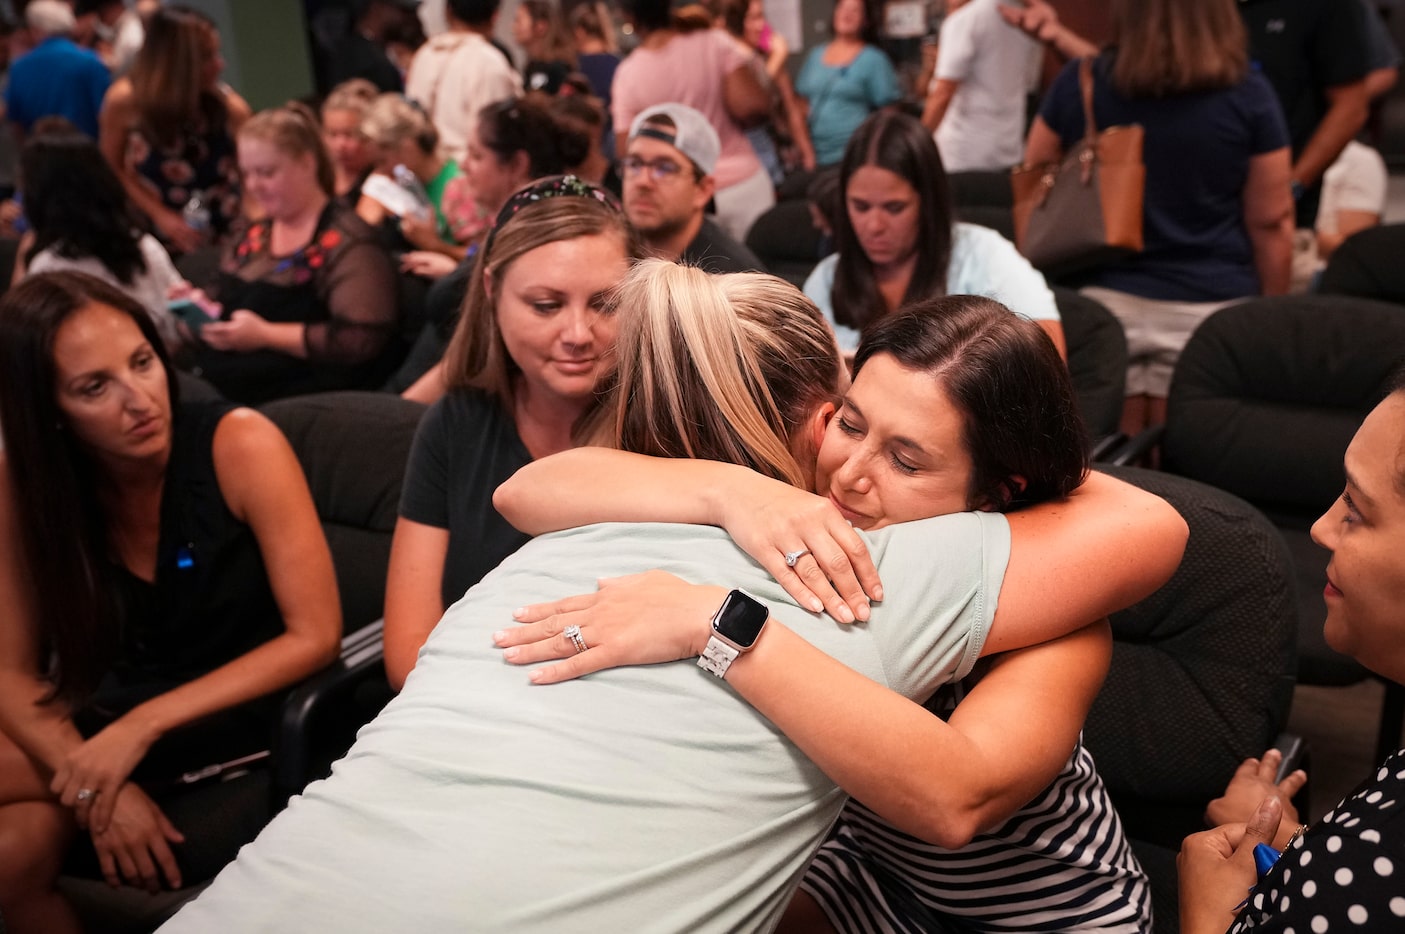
[(166, 75), (63, 536), (476, 357), (899, 143), (1166, 47)]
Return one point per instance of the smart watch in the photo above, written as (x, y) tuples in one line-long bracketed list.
[(735, 629)]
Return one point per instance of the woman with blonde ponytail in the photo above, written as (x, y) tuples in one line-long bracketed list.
[(653, 797)]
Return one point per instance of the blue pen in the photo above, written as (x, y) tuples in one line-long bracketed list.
[(1264, 858)]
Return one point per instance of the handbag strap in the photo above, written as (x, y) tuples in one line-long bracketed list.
[(1085, 84)]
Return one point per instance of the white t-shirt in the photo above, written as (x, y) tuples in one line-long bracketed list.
[(1355, 182), (455, 75), (982, 263), (643, 799), (996, 65), (150, 288)]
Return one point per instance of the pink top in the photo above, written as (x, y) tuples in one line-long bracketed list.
[(689, 69)]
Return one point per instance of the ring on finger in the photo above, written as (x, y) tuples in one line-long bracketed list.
[(791, 557), (84, 794), (574, 634)]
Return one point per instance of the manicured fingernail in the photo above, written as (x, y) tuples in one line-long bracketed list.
[(512, 653), (878, 593), (815, 605), (537, 675), (519, 612), (863, 611), (498, 636), (846, 615)]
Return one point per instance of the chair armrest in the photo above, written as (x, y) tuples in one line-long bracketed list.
[(1107, 446), (361, 661), (1134, 450)]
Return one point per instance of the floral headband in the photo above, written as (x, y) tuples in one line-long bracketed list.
[(554, 186)]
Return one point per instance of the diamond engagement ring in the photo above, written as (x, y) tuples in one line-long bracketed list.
[(83, 795), (793, 556), (574, 634)]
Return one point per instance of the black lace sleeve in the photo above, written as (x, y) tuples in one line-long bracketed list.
[(357, 286)]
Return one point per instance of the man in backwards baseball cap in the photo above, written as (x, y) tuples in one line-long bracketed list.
[(668, 183)]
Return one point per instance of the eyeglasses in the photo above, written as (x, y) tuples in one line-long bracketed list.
[(660, 170)]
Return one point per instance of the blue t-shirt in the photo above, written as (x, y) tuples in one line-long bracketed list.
[(57, 79), (1197, 151), (842, 98)]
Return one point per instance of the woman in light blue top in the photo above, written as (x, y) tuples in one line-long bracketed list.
[(845, 80), (896, 241)]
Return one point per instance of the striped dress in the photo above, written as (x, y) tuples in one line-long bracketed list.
[(1061, 863)]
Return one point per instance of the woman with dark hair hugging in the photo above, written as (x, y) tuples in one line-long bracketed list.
[(161, 567), (655, 798), (987, 421)]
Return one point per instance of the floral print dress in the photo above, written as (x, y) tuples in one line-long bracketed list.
[(340, 285)]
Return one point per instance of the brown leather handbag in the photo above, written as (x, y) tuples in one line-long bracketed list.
[(1087, 210)]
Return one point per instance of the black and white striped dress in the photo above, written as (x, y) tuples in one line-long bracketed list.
[(1061, 863)]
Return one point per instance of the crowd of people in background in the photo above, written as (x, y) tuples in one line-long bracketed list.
[(546, 224)]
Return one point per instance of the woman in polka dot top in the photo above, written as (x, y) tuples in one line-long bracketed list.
[(1346, 872)]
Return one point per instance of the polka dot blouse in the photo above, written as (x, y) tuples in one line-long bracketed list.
[(1347, 873)]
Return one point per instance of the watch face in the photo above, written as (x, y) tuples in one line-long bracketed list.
[(740, 619)]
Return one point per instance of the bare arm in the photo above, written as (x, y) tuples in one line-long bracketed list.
[(115, 120), (1268, 218), (413, 599), (941, 782), (795, 120), (938, 100), (1348, 223), (1347, 107), (1041, 21), (262, 483), (1042, 146), (44, 731)]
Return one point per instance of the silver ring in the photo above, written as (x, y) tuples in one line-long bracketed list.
[(574, 634), (791, 557), (83, 795)]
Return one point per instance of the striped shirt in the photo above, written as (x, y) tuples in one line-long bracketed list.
[(1061, 863)]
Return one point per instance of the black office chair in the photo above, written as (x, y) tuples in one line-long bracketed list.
[(353, 447), (1201, 675), (984, 198), (1368, 265), (1264, 401), (1097, 363), (786, 240)]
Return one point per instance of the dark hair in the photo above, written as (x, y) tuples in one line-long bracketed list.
[(166, 75), (648, 15), (1021, 421), (53, 482), (900, 144), (586, 18), (733, 15), (76, 204), (510, 126), (871, 15), (473, 12)]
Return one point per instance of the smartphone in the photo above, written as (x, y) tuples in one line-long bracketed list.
[(190, 313)]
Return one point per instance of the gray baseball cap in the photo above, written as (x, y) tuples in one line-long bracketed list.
[(692, 134)]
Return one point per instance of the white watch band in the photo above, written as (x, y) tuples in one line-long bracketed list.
[(718, 657)]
